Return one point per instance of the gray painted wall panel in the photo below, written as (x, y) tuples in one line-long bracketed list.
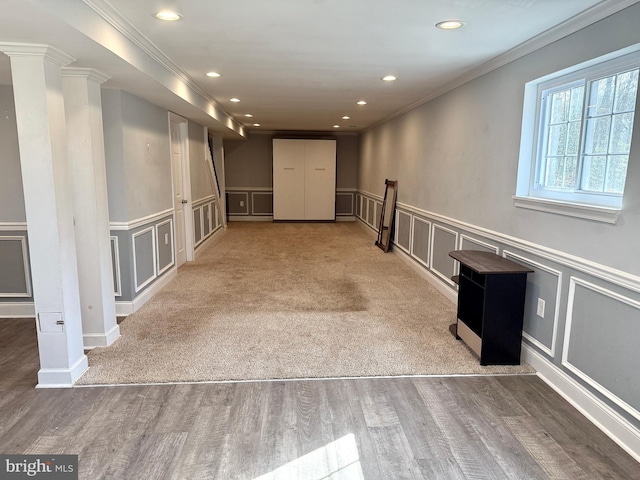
[(421, 237), (11, 194), (144, 261), (358, 204), (404, 230), (370, 211), (469, 244), (602, 344), (344, 204), (206, 215), (125, 252), (115, 265), (443, 243), (234, 201), (165, 245), (13, 279), (197, 227), (262, 203)]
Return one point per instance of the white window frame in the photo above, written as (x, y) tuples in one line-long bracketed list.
[(593, 206)]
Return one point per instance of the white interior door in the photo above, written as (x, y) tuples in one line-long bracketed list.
[(178, 192), (320, 180), (288, 179)]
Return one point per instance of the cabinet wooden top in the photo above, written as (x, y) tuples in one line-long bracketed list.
[(487, 263)]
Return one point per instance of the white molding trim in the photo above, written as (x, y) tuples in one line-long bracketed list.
[(250, 218), (127, 308), (17, 310), (372, 195), (173, 253), (25, 265), (253, 210), (246, 202), (369, 227), (397, 229), (345, 218), (589, 212), (551, 351), (450, 294), (564, 29), (203, 200), (151, 229), (346, 190), (464, 237), (13, 226), (612, 275), (62, 377), (413, 231), (248, 189), (614, 425), (116, 260), (212, 239), (140, 222), (433, 244), (573, 281), (93, 340)]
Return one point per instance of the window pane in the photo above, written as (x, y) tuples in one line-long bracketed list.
[(573, 138), (575, 107), (593, 173), (570, 172), (621, 133), (597, 135), (553, 172), (617, 173), (557, 139), (626, 91), (601, 98), (559, 106)]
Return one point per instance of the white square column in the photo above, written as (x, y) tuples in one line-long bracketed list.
[(46, 178), (85, 144)]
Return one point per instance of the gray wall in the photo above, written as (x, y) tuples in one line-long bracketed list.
[(137, 156), (11, 195), (201, 186), (456, 158)]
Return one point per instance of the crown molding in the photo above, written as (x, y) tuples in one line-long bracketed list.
[(89, 73), (578, 22)]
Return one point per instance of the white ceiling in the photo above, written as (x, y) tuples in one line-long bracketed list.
[(295, 64)]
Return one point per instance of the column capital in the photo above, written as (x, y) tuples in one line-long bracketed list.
[(14, 49), (88, 73)]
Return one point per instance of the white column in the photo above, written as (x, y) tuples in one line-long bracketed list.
[(85, 143), (42, 139)]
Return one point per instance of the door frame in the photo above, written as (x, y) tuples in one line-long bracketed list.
[(186, 186)]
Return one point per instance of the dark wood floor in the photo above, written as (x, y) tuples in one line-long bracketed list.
[(461, 427)]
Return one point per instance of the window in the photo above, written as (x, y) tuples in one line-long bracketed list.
[(577, 131)]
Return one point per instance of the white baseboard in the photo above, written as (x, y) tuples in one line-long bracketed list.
[(615, 426), (127, 308), (213, 238), (17, 310), (250, 218), (62, 377), (92, 340), (345, 218)]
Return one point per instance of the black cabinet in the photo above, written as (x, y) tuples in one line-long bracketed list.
[(491, 298)]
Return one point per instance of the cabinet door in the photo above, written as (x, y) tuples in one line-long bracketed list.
[(320, 180), (288, 179)]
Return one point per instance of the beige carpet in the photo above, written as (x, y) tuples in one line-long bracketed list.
[(289, 300)]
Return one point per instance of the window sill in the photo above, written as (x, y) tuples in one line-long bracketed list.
[(590, 212)]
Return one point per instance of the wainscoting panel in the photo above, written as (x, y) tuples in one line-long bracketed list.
[(371, 212), (403, 230), (206, 220), (197, 225), (164, 246), (597, 345), (14, 265), (358, 206), (261, 203), (470, 243), (545, 283), (115, 266), (144, 254), (344, 203), (444, 241), (238, 203), (421, 240)]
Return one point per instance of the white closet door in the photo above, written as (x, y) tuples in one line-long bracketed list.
[(288, 179), (320, 180)]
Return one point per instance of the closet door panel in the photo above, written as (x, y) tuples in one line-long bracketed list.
[(288, 179), (320, 180)]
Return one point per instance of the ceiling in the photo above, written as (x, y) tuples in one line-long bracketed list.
[(294, 64)]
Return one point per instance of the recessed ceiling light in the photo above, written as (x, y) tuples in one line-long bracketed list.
[(256, 124), (450, 24), (168, 16), (213, 74), (248, 115), (336, 126), (389, 78), (234, 100), (346, 117), (361, 102)]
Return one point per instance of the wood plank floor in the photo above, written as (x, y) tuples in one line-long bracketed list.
[(460, 427)]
